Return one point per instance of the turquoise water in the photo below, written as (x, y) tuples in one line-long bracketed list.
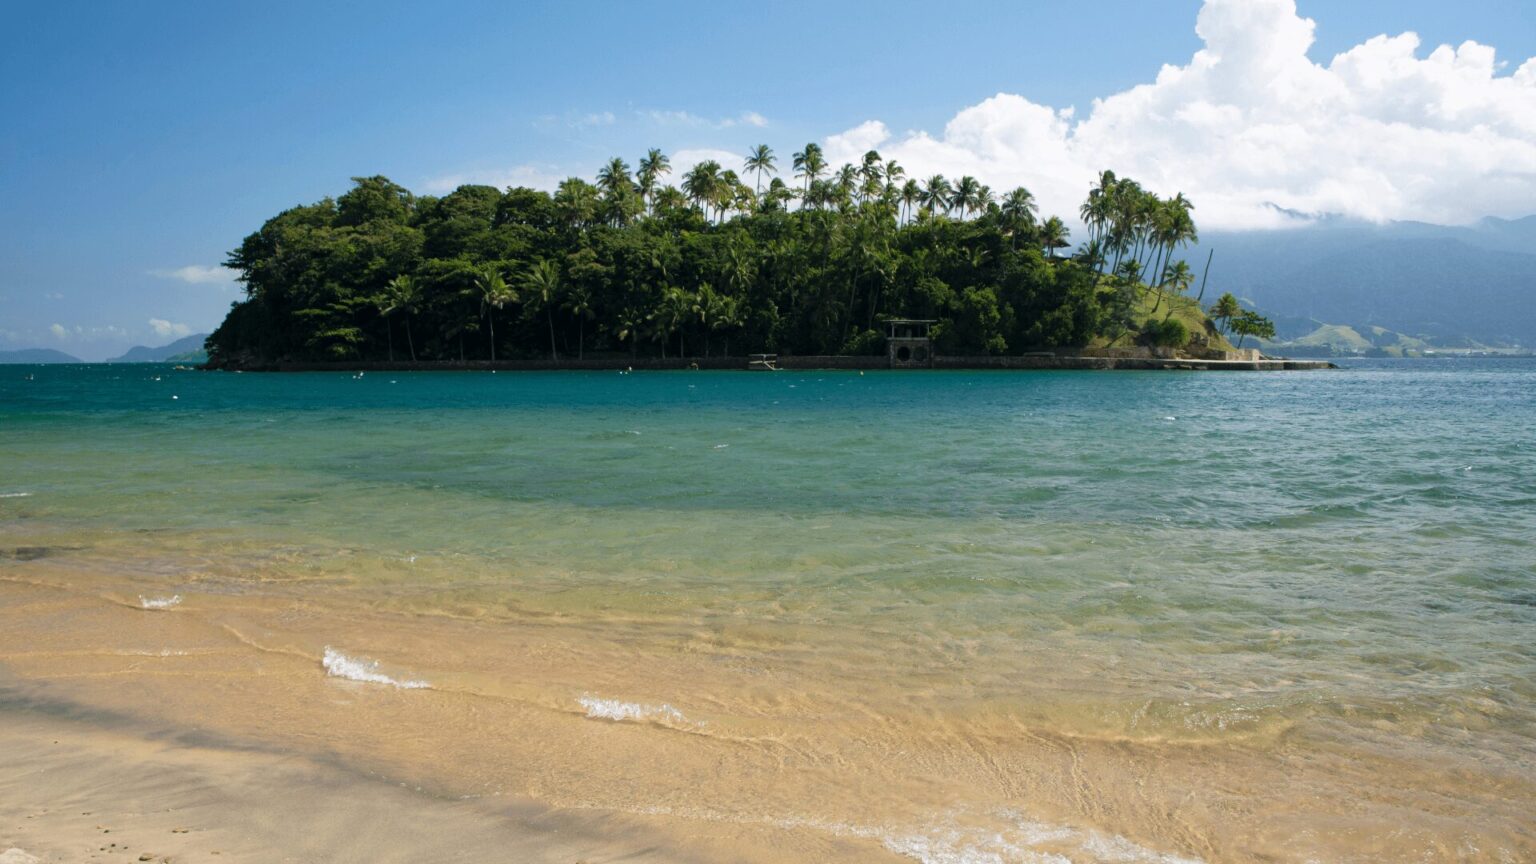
[(1164, 553)]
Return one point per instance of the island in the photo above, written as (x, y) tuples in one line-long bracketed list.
[(728, 265)]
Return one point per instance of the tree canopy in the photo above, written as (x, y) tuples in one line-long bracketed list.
[(725, 259)]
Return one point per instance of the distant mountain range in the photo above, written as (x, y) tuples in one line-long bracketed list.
[(1404, 284), (186, 350), (37, 355)]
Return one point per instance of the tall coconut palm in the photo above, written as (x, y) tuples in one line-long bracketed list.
[(761, 161), (847, 182), (618, 189), (810, 164), (578, 302), (1019, 208), (702, 184), (576, 202), (401, 295), (963, 197), (542, 284), (652, 168), (911, 195), (1053, 235), (872, 168), (494, 294), (936, 194)]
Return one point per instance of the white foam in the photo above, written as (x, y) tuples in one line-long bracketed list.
[(339, 665), (15, 494), (159, 602), (613, 709), (1018, 840), (18, 856)]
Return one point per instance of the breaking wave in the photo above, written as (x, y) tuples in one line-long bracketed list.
[(339, 665), (613, 709), (159, 602)]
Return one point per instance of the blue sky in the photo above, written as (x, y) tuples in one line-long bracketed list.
[(142, 141)]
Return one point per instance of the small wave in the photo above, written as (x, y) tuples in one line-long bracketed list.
[(339, 665), (159, 602), (1018, 840), (15, 494), (613, 709)]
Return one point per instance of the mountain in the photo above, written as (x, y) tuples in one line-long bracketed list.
[(185, 350), (1473, 285), (37, 355)]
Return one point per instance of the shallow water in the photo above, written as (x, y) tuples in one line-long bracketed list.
[(963, 616)]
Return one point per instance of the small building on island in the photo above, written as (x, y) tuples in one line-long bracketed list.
[(909, 344)]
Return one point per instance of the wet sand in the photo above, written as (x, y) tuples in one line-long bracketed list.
[(556, 739), (81, 785)]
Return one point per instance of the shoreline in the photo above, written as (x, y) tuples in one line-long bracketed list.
[(787, 363)]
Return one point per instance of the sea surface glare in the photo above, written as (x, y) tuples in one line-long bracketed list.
[(948, 617)]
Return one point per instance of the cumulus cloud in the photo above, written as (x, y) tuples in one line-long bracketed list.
[(164, 328), (1255, 132), (59, 332), (197, 274), (531, 176)]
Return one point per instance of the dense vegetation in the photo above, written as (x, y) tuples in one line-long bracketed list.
[(724, 262)]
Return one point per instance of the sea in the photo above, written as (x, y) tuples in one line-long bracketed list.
[(939, 616)]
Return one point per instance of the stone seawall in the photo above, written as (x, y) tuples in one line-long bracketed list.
[(800, 363)]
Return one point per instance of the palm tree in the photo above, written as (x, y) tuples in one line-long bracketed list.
[(963, 198), (936, 194), (847, 184), (761, 161), (810, 164), (1053, 235), (652, 167), (401, 295), (578, 301), (911, 194), (614, 180), (1177, 277), (576, 202), (702, 184), (494, 294), (1019, 208), (1226, 309), (542, 281)]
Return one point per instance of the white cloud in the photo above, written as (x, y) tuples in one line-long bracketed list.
[(165, 328), (197, 274), (601, 118), (531, 176), (1251, 124), (52, 295), (684, 118), (58, 331)]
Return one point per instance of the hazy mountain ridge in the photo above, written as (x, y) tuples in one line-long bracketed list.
[(1442, 286), (38, 355), (188, 349)]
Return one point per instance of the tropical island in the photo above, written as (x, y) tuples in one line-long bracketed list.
[(725, 264)]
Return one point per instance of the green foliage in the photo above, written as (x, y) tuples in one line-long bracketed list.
[(1250, 323), (630, 264), (1167, 333), (870, 343)]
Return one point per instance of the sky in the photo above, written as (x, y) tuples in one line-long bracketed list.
[(140, 142)]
